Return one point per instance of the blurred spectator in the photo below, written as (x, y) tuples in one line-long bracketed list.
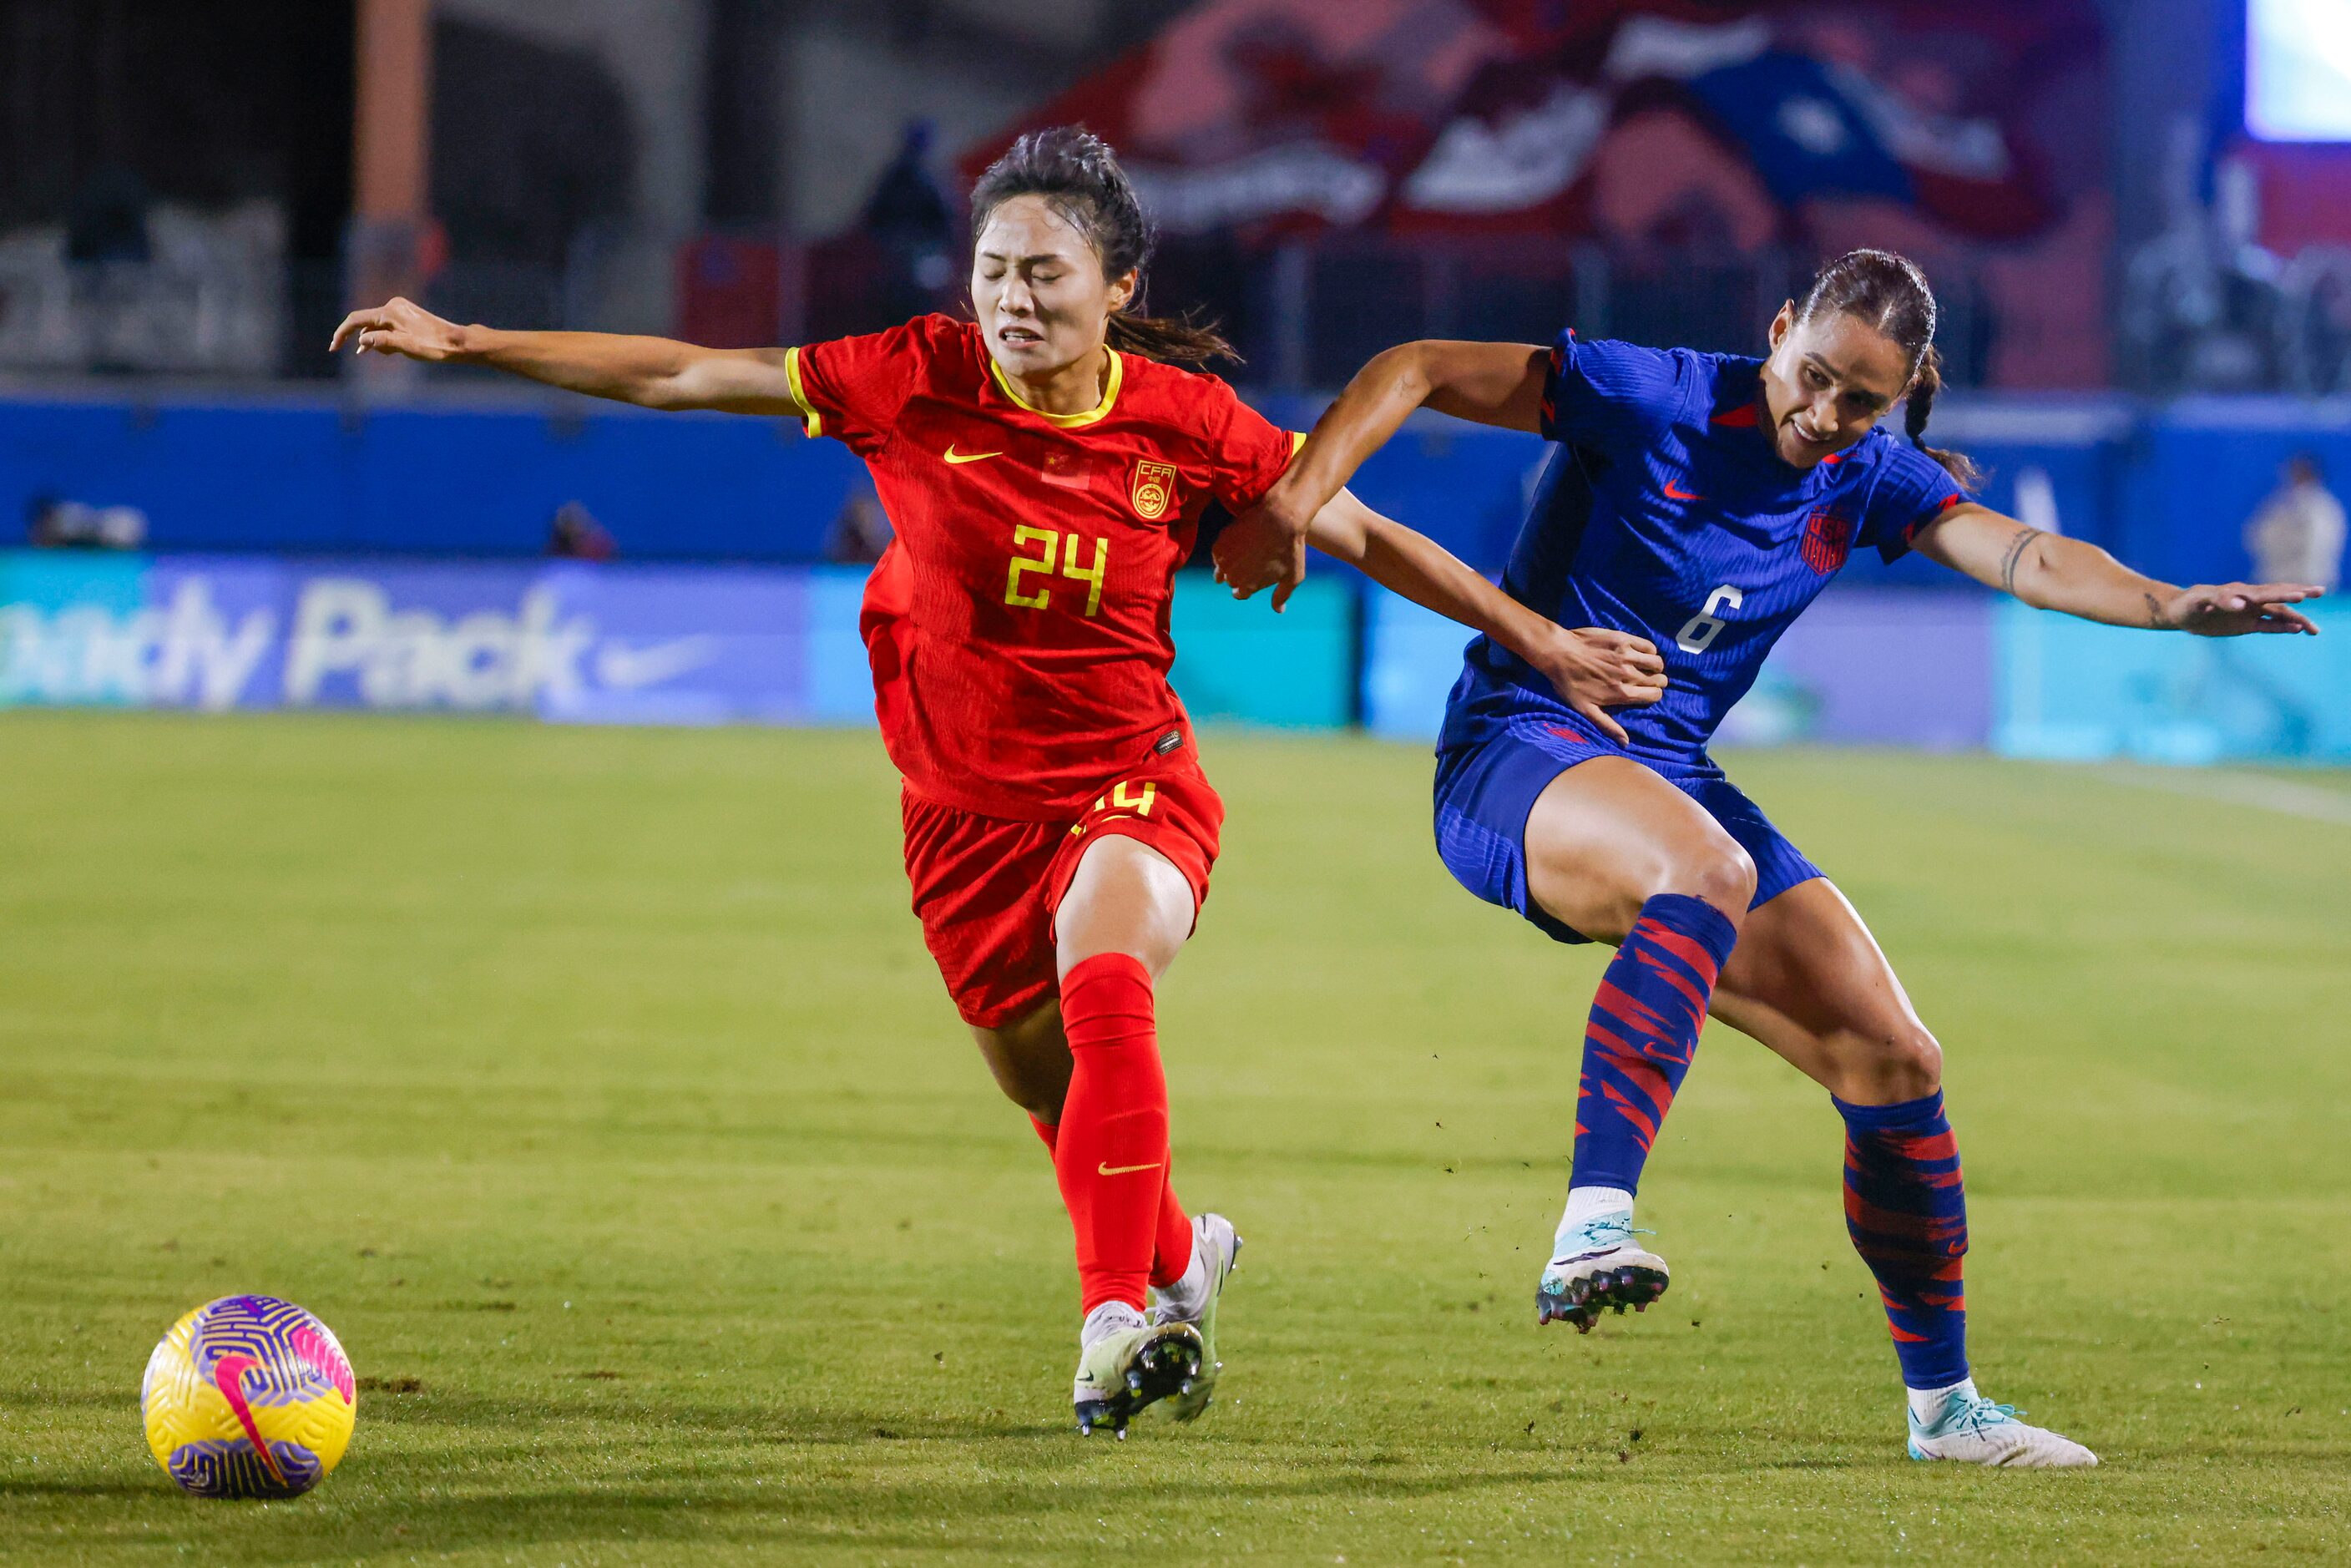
[(108, 222), (860, 532), (910, 218), (576, 535), (2297, 536), (2204, 306), (107, 240), (56, 524)]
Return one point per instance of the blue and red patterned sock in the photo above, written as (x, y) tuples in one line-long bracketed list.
[(1643, 1030), (1907, 1211)]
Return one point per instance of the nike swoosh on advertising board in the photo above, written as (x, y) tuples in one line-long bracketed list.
[(629, 669)]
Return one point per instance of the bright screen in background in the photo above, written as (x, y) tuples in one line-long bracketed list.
[(2298, 70)]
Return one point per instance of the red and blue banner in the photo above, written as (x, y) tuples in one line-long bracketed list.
[(1967, 136)]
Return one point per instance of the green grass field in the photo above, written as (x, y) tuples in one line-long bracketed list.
[(595, 1087)]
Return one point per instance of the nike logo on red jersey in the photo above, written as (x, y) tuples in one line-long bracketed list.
[(1105, 1168), (1677, 493), (958, 457)]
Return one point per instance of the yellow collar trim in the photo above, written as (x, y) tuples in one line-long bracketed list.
[(1067, 421)]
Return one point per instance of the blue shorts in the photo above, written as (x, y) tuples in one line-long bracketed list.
[(1486, 787)]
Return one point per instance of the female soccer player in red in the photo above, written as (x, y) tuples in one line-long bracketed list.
[(1045, 469), (1701, 501)]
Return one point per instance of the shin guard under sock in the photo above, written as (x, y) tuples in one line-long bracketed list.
[(1109, 1151), (1907, 1211), (1643, 1029), (1170, 1249)]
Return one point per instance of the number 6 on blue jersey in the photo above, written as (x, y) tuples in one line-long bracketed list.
[(1699, 634)]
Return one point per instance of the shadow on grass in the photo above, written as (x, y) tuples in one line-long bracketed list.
[(22, 1487), (871, 1510)]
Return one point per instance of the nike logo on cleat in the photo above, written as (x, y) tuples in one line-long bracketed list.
[(961, 457), (1108, 1169)]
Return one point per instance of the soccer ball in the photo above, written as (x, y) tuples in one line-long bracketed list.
[(249, 1396)]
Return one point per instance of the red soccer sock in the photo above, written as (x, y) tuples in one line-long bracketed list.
[(1110, 1152), (1171, 1251)]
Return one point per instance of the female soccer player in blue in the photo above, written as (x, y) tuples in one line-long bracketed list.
[(1700, 502)]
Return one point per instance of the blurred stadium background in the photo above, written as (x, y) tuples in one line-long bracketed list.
[(2138, 215), (587, 1076)]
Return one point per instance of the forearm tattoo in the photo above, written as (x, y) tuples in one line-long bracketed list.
[(2016, 548), (2157, 619)]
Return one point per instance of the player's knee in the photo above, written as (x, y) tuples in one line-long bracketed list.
[(1723, 875), (1888, 1067), (1914, 1062), (1039, 1094), (1029, 1061), (1040, 1101)]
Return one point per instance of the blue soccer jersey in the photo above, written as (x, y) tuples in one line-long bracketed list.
[(1665, 512)]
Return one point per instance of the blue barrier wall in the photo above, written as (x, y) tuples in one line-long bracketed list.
[(2167, 489), (2196, 471), (318, 478)]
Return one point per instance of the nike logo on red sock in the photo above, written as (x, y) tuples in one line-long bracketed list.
[(1107, 1169)]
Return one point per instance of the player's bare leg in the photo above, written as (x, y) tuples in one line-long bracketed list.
[(1029, 1060), (1127, 913), (1810, 981), (1619, 854)]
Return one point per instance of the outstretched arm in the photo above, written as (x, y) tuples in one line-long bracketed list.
[(1491, 384), (1593, 669), (653, 372), (2050, 572)]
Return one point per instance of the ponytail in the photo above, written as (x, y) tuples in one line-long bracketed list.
[(1076, 172), (1920, 408), (1890, 293), (1176, 340)]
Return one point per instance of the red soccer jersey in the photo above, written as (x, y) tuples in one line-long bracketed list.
[(1018, 626)]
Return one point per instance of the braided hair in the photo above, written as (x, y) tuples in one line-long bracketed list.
[(1889, 293), (1079, 176)]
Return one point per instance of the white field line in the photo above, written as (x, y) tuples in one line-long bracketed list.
[(2309, 801)]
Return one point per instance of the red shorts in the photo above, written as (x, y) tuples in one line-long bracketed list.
[(986, 888)]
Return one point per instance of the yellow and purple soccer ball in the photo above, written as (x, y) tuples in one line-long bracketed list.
[(249, 1396)]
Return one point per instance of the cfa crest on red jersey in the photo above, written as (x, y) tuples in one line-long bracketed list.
[(1828, 539), (1154, 489)]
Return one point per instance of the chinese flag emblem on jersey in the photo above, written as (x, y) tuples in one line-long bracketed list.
[(1154, 489), (1828, 538), (1062, 468)]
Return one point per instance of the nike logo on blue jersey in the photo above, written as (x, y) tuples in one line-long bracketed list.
[(1677, 493)]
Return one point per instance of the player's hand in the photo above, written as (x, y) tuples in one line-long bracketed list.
[(404, 328), (2235, 609), (1263, 547), (1595, 670)]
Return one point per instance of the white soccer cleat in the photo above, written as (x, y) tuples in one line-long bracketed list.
[(1126, 1364), (1215, 1253), (1973, 1430), (1596, 1265)]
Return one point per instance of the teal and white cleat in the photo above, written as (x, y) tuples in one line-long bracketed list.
[(1215, 1253), (1129, 1365), (1973, 1430), (1596, 1265)]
